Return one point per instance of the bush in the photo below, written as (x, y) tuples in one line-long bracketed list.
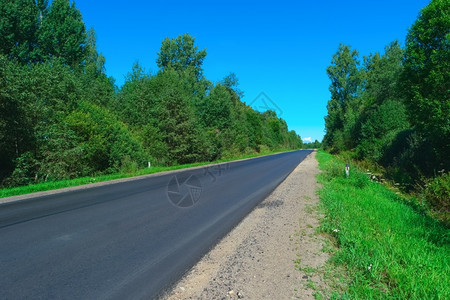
[(107, 141), (128, 165), (25, 171), (380, 129), (334, 169), (411, 153), (437, 194), (358, 179)]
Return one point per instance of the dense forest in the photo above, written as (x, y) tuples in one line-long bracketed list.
[(393, 109), (62, 117)]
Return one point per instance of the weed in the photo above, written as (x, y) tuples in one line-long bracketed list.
[(311, 285), (309, 208), (318, 296), (309, 270), (297, 263)]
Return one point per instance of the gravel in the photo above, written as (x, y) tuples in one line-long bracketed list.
[(274, 253)]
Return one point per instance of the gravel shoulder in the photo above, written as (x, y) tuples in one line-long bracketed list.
[(274, 253)]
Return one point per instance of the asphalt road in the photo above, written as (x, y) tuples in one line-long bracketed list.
[(129, 240)]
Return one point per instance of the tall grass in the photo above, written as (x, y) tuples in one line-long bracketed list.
[(390, 250)]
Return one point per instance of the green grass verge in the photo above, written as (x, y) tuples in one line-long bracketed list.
[(53, 185), (389, 249)]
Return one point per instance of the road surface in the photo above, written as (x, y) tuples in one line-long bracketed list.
[(129, 240)]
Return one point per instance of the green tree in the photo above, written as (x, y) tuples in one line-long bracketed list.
[(254, 128), (215, 115), (216, 112), (183, 56), (381, 75), (273, 129), (136, 99), (19, 25), (63, 34), (344, 105), (104, 143), (380, 129), (95, 62), (316, 144), (383, 115), (344, 75), (294, 141), (426, 77), (98, 88), (33, 100), (16, 126), (176, 120), (232, 82), (62, 117), (180, 54)]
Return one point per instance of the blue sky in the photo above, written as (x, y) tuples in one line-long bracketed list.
[(278, 48)]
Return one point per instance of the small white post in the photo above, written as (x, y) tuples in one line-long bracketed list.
[(149, 165), (347, 170)]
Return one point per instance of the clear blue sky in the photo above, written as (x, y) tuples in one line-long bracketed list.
[(281, 48)]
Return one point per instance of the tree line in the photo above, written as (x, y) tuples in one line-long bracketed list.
[(62, 117), (393, 109)]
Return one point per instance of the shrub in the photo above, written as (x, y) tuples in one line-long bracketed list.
[(358, 179), (128, 165), (437, 194), (334, 169), (25, 171)]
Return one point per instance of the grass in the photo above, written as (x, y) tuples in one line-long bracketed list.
[(389, 250), (53, 185)]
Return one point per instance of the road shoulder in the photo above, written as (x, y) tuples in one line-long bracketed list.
[(274, 253)]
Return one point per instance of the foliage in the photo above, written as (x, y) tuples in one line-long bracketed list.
[(19, 29), (232, 82), (216, 108), (380, 128), (427, 76), (393, 109), (345, 86), (127, 170), (436, 194), (103, 141), (315, 145), (62, 34), (61, 117), (180, 54), (389, 250)]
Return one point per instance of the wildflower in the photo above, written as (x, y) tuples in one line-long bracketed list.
[(369, 267), (335, 230)]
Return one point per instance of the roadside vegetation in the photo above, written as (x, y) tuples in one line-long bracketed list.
[(126, 173), (391, 111), (388, 221), (62, 117), (312, 145), (382, 246)]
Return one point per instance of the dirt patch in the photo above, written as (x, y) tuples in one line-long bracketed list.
[(274, 253)]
